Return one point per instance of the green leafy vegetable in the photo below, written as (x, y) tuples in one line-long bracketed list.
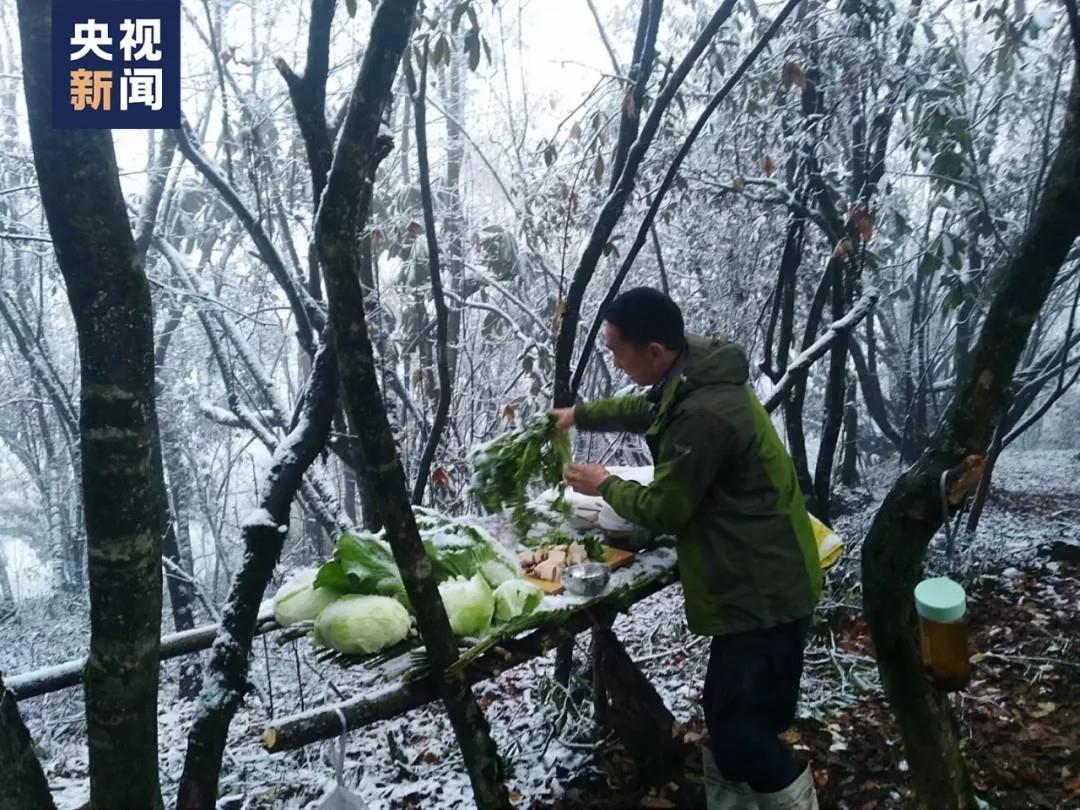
[(298, 601), (360, 625), (469, 605), (458, 548), (363, 564), (503, 468), (594, 546), (516, 597)]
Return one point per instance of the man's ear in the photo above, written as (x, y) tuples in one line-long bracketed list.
[(656, 350)]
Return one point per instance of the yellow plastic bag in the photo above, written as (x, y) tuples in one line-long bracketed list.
[(829, 545)]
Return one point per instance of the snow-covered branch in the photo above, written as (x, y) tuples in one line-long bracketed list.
[(801, 364)]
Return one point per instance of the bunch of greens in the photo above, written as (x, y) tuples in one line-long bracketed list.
[(502, 469)]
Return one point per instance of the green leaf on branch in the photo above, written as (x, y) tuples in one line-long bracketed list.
[(459, 12), (441, 54), (472, 48)]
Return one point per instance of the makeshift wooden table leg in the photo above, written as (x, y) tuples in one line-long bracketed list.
[(564, 662), (599, 691), (25, 785), (636, 712)]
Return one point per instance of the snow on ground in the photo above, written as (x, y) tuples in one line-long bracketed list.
[(412, 760)]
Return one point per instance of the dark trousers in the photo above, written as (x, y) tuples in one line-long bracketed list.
[(751, 692)]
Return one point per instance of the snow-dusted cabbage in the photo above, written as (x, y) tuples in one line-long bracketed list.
[(364, 564), (459, 548), (359, 625), (469, 605), (516, 597), (297, 600)]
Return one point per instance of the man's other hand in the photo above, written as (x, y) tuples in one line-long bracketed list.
[(564, 417), (586, 478)]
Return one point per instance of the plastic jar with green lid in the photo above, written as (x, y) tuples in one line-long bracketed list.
[(942, 605)]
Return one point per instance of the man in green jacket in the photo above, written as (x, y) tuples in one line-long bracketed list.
[(725, 487)]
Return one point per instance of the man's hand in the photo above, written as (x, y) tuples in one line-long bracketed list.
[(564, 417), (586, 478)]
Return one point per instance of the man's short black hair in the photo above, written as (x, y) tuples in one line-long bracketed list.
[(645, 315)]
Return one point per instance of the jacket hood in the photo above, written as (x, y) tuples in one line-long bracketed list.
[(713, 361)]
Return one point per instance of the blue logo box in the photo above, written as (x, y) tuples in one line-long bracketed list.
[(116, 64)]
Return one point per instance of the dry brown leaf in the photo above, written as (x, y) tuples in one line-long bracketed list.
[(768, 166), (441, 478), (629, 108), (791, 75), (973, 470), (509, 413), (560, 310), (863, 221)]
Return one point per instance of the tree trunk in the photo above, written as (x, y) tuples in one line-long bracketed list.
[(179, 568), (123, 485), (25, 786), (835, 397), (870, 384), (454, 215), (982, 491), (7, 594), (849, 470), (369, 506), (795, 402), (341, 216), (902, 529), (182, 600), (442, 316)]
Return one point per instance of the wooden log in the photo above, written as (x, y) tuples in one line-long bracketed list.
[(68, 674)]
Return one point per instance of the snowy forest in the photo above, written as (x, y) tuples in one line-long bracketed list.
[(275, 363)]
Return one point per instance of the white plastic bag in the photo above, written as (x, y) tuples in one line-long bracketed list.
[(340, 797)]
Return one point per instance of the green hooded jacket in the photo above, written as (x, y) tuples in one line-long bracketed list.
[(724, 486)]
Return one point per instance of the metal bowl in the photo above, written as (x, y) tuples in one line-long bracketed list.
[(586, 579)]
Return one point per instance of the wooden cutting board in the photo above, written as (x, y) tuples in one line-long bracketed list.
[(614, 557)]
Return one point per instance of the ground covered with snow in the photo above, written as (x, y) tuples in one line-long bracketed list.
[(1020, 716)]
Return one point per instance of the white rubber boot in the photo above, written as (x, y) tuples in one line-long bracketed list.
[(799, 795), (721, 794)]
